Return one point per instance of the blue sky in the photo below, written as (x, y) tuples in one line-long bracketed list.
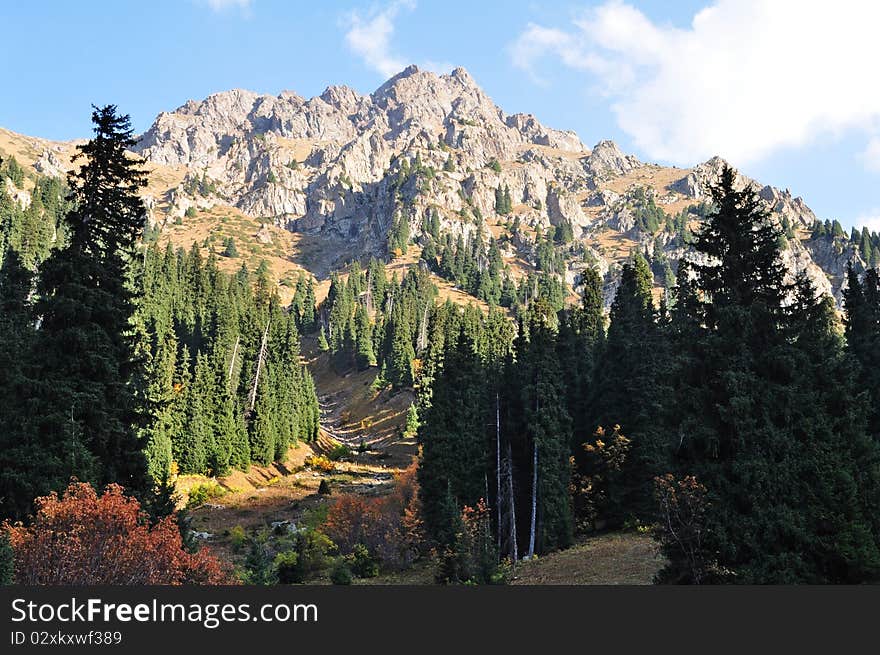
[(786, 90)]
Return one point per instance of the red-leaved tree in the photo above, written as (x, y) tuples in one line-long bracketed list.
[(83, 538), (389, 526)]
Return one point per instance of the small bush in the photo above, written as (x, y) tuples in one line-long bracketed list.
[(362, 563), (362, 447), (324, 488), (340, 574), (287, 568), (190, 212), (202, 493), (340, 451), (238, 537), (315, 517)]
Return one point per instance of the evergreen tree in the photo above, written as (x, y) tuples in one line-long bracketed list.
[(767, 421), (83, 357), (581, 340), (401, 356), (7, 561), (262, 427), (190, 445), (412, 421), (364, 331), (157, 435), (453, 440), (547, 427), (861, 302), (323, 346), (629, 391)]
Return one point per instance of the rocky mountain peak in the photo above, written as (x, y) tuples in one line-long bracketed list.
[(343, 167), (606, 158), (341, 97)]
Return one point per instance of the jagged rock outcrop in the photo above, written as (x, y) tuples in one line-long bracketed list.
[(606, 159), (49, 164), (342, 165)]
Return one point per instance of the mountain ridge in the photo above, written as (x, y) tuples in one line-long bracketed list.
[(339, 167)]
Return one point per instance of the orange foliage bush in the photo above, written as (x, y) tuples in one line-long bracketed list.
[(83, 538), (389, 526), (320, 462)]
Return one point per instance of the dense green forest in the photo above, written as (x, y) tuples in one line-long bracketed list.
[(737, 419), (740, 418), (124, 363)]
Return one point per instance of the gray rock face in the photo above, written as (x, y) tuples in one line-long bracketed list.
[(606, 159), (49, 164), (697, 182), (341, 166)]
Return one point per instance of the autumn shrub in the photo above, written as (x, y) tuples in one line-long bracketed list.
[(596, 491), (388, 527), (321, 463), (81, 538), (202, 493), (681, 531)]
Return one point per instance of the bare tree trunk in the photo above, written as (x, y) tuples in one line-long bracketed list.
[(259, 365), (511, 500), (534, 500), (422, 341), (232, 363), (498, 465)]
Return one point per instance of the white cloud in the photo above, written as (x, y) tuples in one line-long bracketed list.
[(224, 5), (870, 219), (745, 79), (871, 154), (369, 37)]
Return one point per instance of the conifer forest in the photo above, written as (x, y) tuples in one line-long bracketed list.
[(432, 406)]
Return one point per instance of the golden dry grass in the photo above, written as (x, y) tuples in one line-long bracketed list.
[(618, 558), (221, 222), (649, 175)]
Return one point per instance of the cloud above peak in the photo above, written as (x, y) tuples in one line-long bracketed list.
[(746, 79), (369, 37)]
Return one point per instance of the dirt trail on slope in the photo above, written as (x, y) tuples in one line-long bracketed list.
[(351, 414)]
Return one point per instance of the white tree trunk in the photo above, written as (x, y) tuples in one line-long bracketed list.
[(513, 545), (259, 365), (534, 500), (498, 466), (232, 363)]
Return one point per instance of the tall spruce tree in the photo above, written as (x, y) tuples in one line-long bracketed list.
[(629, 392), (455, 450), (546, 425), (83, 360), (767, 421), (861, 302)]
